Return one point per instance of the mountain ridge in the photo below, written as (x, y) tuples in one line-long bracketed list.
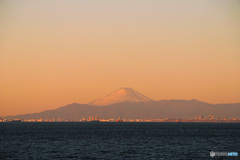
[(150, 109), (128, 103)]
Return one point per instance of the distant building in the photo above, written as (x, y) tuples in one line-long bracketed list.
[(225, 118), (211, 117)]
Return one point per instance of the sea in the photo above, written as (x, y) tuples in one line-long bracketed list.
[(117, 140)]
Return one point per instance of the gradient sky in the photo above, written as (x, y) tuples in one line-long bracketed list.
[(53, 53)]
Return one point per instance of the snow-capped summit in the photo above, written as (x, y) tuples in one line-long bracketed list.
[(121, 95)]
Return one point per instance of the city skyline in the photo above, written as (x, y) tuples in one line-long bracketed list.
[(96, 118)]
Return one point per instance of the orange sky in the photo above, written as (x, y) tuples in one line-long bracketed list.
[(53, 53)]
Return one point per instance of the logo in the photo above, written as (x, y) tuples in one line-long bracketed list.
[(212, 154)]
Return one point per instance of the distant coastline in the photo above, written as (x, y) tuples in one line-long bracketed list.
[(133, 120)]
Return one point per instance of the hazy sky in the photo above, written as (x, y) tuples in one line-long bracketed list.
[(57, 52)]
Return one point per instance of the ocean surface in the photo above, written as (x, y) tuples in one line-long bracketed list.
[(84, 140)]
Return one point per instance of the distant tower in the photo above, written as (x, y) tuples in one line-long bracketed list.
[(210, 116), (226, 117), (96, 117), (89, 118)]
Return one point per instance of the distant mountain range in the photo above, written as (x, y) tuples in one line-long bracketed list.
[(128, 103)]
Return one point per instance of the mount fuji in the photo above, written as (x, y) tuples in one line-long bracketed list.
[(120, 96)]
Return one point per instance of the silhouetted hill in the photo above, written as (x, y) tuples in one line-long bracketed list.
[(149, 109)]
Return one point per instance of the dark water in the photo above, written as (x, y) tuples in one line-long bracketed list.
[(46, 141)]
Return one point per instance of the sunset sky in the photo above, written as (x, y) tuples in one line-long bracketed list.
[(53, 53)]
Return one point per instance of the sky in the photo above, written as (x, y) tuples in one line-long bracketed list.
[(53, 53)]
